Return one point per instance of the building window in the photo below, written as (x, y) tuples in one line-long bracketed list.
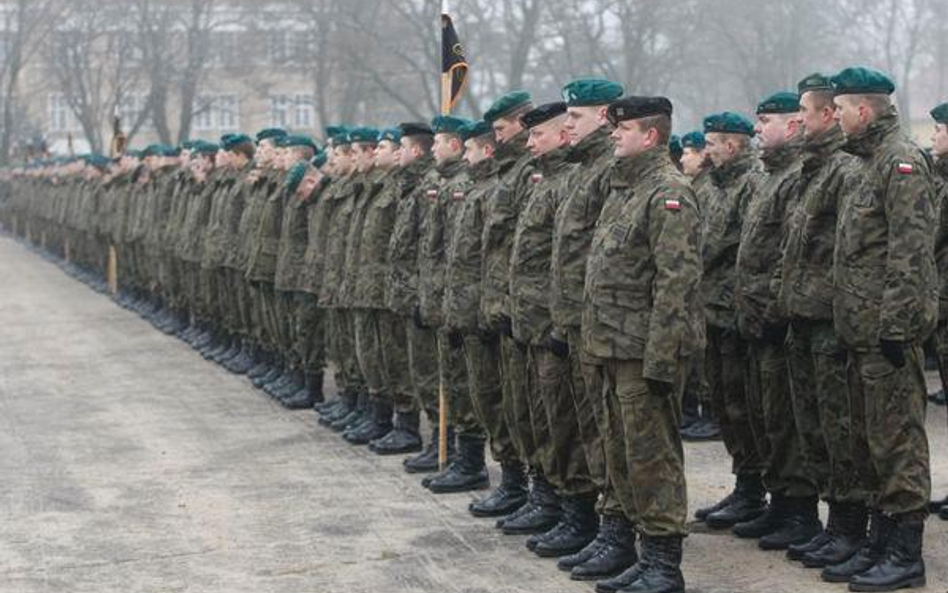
[(279, 111), (216, 113), (304, 110), (203, 114), (59, 120), (228, 113), (130, 110)]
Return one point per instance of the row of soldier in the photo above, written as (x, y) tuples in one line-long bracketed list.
[(552, 271)]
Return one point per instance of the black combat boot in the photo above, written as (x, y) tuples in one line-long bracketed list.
[(274, 388), (662, 563), (314, 384), (689, 409), (274, 372), (610, 554), (508, 497), (579, 522), (356, 418), (346, 403), (748, 502), (539, 515), (467, 472), (427, 460), (796, 552), (242, 364), (902, 566), (800, 524), (403, 438), (262, 364), (379, 424), (294, 383), (847, 535), (765, 523), (872, 551)]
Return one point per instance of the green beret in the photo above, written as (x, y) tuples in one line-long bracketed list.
[(133, 153), (815, 82), (637, 108), (271, 134), (295, 175), (151, 150), (475, 129), (336, 130), (543, 113), (412, 128), (448, 124), (674, 146), (591, 91), (693, 140), (320, 159), (728, 122), (231, 141), (170, 151), (189, 144), (862, 81), (341, 139), (506, 105), (393, 135), (96, 160), (298, 140), (202, 147), (370, 135), (781, 102), (940, 113)]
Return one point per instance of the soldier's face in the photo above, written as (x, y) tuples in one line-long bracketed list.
[(386, 154), (307, 186), (692, 160), (409, 152), (506, 128), (774, 130), (446, 147), (720, 148), (546, 137), (583, 121), (476, 152), (850, 115), (631, 140), (940, 141), (815, 117)]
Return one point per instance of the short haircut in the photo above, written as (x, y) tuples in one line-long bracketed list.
[(245, 148), (822, 99), (661, 123), (517, 113), (422, 141), (485, 140)]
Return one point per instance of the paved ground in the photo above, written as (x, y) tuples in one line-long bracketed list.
[(129, 464)]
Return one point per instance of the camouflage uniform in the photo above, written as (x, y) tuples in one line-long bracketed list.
[(887, 289), (941, 259), (310, 319), (641, 322), (817, 361), (237, 287)]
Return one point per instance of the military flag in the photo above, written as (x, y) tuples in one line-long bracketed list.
[(453, 64)]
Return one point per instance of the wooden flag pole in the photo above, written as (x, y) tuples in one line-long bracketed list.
[(442, 393)]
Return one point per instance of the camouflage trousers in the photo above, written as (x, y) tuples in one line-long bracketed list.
[(228, 301), (888, 425), (340, 349), (585, 385), (310, 333), (283, 327), (724, 368), (523, 420), (644, 455), (821, 409), (382, 353), (423, 366), (453, 376), (776, 438), (940, 338), (191, 281), (261, 301), (482, 358), (210, 291), (243, 297), (556, 432)]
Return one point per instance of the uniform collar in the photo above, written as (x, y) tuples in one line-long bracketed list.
[(734, 168), (782, 156), (864, 144), (591, 147), (633, 169), (512, 150)]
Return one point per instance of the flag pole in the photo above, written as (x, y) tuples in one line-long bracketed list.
[(442, 394)]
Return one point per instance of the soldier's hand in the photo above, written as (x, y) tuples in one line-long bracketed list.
[(659, 388), (560, 348), (505, 326), (456, 340), (894, 352)]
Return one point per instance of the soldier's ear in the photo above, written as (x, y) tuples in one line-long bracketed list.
[(603, 114)]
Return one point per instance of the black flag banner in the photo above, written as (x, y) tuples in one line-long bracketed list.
[(453, 66)]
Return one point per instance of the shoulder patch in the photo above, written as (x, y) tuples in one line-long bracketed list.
[(536, 177), (432, 193), (906, 168), (672, 204)]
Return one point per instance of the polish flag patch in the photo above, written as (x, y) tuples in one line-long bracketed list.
[(458, 195), (672, 204), (432, 193), (906, 168), (536, 177)]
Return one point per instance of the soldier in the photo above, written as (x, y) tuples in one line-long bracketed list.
[(817, 362), (736, 177), (640, 323), (558, 450), (885, 307), (940, 152)]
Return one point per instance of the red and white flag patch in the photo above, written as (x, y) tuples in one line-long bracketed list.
[(432, 193), (458, 195), (536, 177), (906, 168), (672, 204)]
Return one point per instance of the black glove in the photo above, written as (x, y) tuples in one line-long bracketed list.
[(505, 326), (775, 334), (456, 340), (417, 317), (560, 348), (659, 388), (893, 351)]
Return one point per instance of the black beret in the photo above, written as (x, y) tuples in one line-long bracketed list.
[(412, 128), (543, 113), (638, 107), (815, 82)]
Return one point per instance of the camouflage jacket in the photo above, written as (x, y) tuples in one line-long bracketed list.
[(162, 194), (401, 287), (640, 300), (884, 263), (462, 280), (737, 181), (368, 186), (583, 192), (261, 265), (190, 245), (941, 237), (233, 214), (503, 208), (532, 251), (446, 189), (214, 253), (317, 217), (294, 237), (763, 233), (806, 288), (372, 256), (343, 206), (257, 192)]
